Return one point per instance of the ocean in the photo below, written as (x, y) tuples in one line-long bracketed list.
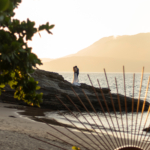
[(126, 124), (83, 78)]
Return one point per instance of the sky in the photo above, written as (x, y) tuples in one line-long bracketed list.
[(80, 23)]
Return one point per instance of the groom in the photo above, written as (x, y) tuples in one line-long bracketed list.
[(77, 71)]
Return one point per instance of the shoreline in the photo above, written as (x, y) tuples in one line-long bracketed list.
[(37, 115), (54, 86), (17, 130)]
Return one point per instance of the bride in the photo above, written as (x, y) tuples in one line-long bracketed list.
[(75, 77)]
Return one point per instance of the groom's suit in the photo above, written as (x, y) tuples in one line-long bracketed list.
[(77, 71)]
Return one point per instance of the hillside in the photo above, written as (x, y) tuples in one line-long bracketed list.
[(45, 60), (135, 47), (111, 53)]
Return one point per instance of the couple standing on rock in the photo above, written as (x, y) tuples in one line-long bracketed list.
[(75, 76)]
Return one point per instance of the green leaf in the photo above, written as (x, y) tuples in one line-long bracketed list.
[(2, 85), (16, 58), (22, 50), (38, 87), (46, 27), (75, 148), (51, 27), (4, 4)]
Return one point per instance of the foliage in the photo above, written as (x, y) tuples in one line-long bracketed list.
[(16, 59), (75, 148)]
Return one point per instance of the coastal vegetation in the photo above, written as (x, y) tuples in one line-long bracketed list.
[(17, 61)]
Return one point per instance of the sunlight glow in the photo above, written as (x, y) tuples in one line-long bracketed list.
[(78, 24)]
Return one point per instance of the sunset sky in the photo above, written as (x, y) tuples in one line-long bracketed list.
[(79, 23)]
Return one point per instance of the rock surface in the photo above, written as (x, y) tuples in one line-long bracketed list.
[(52, 85)]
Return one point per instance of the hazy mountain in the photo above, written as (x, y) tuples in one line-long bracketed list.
[(111, 53), (45, 59), (135, 47)]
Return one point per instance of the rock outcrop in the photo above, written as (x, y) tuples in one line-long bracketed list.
[(52, 85)]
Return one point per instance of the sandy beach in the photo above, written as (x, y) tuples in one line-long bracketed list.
[(18, 132), (15, 131)]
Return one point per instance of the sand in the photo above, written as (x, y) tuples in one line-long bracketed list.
[(18, 132), (15, 131)]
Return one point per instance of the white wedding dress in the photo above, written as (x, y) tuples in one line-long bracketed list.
[(76, 80)]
